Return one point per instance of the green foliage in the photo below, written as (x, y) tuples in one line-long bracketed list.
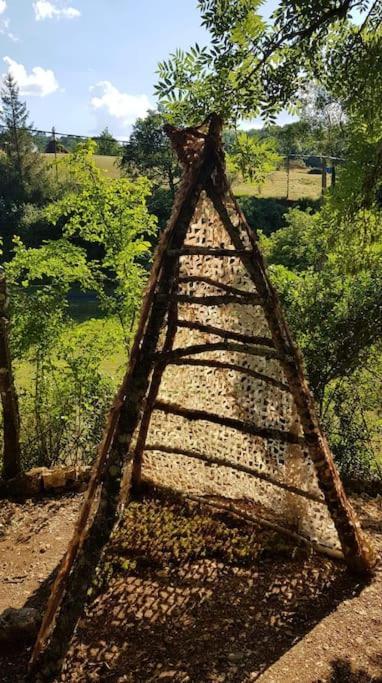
[(149, 152), (25, 184), (112, 216), (325, 121), (24, 171), (268, 214), (253, 66), (352, 415), (166, 536), (300, 245), (107, 145), (251, 158), (336, 316), (64, 403)]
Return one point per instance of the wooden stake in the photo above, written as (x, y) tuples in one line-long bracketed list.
[(10, 405)]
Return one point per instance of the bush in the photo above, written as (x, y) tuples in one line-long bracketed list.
[(269, 215), (65, 391)]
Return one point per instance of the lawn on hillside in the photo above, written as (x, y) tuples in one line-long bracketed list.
[(302, 184)]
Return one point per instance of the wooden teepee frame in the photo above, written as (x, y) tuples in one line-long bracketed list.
[(116, 469)]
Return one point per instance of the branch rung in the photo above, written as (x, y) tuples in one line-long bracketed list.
[(189, 250), (232, 423), (218, 300), (190, 279), (194, 349), (221, 365), (167, 450), (225, 334)]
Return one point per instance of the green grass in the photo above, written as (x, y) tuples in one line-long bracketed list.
[(107, 164), (301, 184)]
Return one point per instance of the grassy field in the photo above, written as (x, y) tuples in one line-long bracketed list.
[(301, 183), (108, 164)]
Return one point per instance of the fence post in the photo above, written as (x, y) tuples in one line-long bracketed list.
[(55, 150), (323, 176), (11, 418), (288, 175), (333, 173)]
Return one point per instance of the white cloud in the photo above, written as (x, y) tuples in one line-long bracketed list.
[(126, 108), (4, 30), (5, 22), (39, 81), (44, 9)]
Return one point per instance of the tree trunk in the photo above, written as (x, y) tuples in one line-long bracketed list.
[(11, 419)]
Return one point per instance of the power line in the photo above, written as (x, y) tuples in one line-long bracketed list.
[(55, 134), (76, 136)]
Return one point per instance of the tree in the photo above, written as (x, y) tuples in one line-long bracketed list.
[(149, 152), (24, 176), (256, 67), (110, 214), (14, 117), (331, 290), (251, 157), (107, 145), (325, 118)]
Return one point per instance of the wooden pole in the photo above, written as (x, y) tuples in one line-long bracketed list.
[(324, 179), (288, 176), (333, 184), (55, 150), (158, 371), (11, 417)]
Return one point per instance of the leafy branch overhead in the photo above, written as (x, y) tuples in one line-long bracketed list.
[(254, 66)]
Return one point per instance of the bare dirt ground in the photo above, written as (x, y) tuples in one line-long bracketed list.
[(33, 536), (194, 599)]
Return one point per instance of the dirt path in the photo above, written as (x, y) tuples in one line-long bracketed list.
[(346, 645), (190, 603), (33, 538)]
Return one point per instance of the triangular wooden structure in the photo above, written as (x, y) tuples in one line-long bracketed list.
[(214, 402)]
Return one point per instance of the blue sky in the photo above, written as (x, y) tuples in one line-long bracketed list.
[(84, 64)]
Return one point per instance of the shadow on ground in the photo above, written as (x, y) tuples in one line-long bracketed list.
[(344, 672), (197, 598), (190, 597)]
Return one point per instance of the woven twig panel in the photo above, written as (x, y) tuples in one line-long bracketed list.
[(207, 458)]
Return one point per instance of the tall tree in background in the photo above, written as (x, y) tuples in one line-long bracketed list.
[(149, 152), (325, 118), (25, 181), (14, 116), (107, 145)]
